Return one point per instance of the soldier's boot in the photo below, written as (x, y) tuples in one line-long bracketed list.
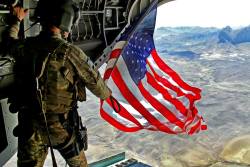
[(31, 152), (32, 162), (78, 161)]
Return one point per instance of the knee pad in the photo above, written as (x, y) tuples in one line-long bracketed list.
[(70, 148)]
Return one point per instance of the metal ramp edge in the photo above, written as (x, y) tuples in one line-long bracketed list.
[(118, 160)]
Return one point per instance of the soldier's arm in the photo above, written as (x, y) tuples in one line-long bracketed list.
[(16, 16), (90, 77), (13, 29), (10, 40)]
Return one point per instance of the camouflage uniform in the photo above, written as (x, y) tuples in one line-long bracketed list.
[(62, 82)]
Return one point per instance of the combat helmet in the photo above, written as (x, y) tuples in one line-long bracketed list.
[(60, 13)]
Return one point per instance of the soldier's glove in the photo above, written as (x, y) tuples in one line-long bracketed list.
[(19, 12)]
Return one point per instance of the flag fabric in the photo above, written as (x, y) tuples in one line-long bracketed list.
[(146, 92)]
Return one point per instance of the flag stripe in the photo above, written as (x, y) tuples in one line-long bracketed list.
[(134, 89), (126, 93), (159, 107), (179, 106), (114, 114), (125, 114), (115, 53), (174, 101), (164, 67), (165, 82), (107, 74), (111, 63), (119, 45), (117, 124), (195, 128), (192, 121)]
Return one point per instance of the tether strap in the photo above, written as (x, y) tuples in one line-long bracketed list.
[(115, 104), (46, 124)]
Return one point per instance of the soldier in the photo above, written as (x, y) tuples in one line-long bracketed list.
[(51, 75)]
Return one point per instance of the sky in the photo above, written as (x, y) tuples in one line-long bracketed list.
[(204, 13)]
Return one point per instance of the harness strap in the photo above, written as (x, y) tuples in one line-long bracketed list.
[(47, 58), (46, 125), (67, 74)]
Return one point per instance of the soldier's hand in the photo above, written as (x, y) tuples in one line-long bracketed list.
[(19, 12)]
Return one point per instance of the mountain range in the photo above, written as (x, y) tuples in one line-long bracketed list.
[(238, 36), (192, 41)]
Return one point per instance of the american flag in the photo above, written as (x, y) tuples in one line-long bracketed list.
[(146, 92)]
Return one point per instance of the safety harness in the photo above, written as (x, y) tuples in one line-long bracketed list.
[(78, 139), (39, 98)]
